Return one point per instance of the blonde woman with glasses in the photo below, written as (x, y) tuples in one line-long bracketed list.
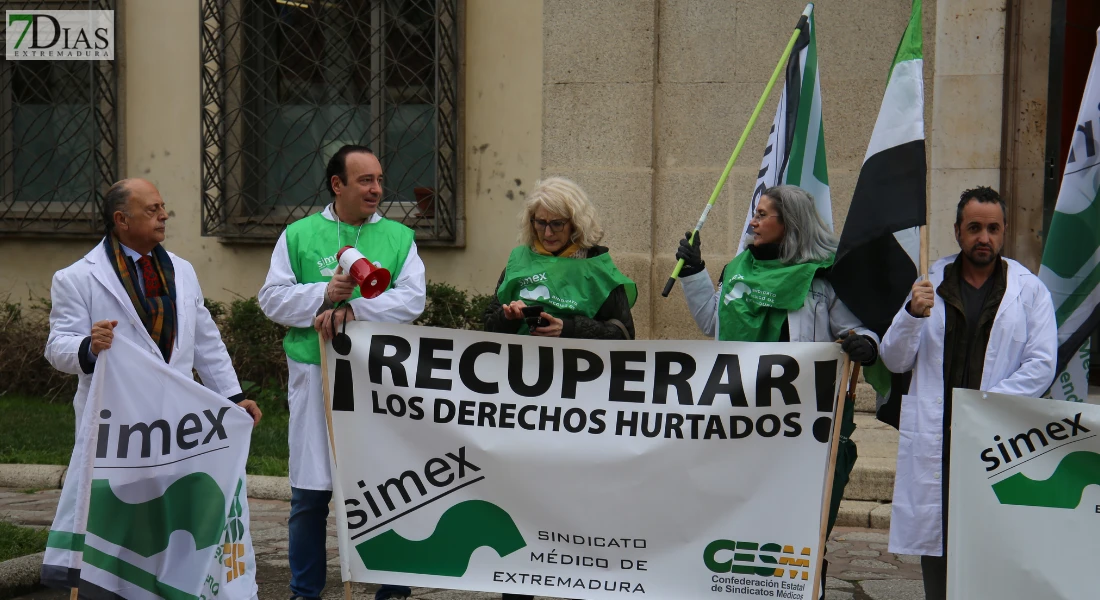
[(558, 282)]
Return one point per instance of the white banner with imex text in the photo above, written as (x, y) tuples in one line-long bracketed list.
[(580, 468)]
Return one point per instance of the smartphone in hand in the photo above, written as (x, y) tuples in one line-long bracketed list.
[(533, 316)]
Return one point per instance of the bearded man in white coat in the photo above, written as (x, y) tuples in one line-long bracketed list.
[(992, 328), (129, 285), (303, 285)]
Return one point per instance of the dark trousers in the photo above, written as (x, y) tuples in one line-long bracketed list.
[(934, 568), (934, 571), (308, 528)]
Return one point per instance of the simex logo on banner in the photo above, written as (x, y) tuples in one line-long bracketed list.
[(462, 528), (1024, 498), (60, 35), (1073, 472)]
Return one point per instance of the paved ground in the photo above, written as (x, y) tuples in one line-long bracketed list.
[(860, 566)]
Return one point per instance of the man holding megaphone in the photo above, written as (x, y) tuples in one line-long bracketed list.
[(347, 262)]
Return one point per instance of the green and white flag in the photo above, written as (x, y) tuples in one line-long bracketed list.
[(795, 153), (878, 258), (1071, 258), (154, 504)]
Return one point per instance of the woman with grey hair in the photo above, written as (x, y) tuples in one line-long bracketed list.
[(775, 292), (559, 282)]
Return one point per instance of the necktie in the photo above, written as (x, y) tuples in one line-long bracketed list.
[(153, 287)]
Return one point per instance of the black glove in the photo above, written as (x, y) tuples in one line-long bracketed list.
[(859, 348), (693, 259)]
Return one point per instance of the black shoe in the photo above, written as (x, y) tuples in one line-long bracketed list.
[(392, 591)]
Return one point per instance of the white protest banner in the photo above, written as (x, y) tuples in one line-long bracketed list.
[(580, 468), (154, 504), (1024, 499)]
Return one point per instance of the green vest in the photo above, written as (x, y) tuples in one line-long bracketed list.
[(756, 295), (563, 286), (312, 244)]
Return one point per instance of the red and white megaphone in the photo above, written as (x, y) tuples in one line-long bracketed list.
[(372, 280)]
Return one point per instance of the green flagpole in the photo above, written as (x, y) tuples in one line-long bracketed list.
[(741, 142)]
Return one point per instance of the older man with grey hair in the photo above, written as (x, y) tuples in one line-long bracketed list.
[(128, 285)]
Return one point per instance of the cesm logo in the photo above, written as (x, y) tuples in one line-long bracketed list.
[(60, 35), (752, 558), (756, 569)]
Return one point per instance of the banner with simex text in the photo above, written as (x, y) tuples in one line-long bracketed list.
[(1024, 518), (579, 468)]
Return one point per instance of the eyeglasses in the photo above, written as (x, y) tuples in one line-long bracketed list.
[(556, 225), (760, 216)]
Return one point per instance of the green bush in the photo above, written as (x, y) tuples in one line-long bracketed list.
[(449, 307), (24, 329), (478, 304), (254, 342)]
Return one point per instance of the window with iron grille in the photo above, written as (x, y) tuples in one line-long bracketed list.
[(58, 137), (285, 83)]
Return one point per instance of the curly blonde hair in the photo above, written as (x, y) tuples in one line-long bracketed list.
[(563, 197)]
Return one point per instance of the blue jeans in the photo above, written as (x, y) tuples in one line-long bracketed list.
[(308, 527)]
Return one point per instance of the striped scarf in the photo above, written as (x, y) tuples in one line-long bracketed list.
[(158, 314), (573, 250)]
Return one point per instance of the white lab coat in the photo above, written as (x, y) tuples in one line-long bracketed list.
[(822, 317), (88, 291), (1019, 359), (294, 304)]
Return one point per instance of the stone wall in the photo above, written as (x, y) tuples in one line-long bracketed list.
[(644, 101)]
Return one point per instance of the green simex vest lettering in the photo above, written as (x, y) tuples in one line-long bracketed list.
[(312, 244), (562, 286)]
